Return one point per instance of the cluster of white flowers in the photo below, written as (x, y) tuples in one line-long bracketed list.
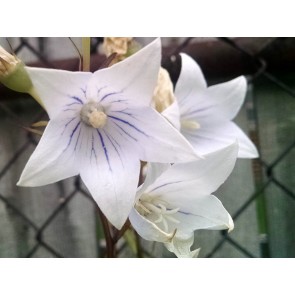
[(103, 124)]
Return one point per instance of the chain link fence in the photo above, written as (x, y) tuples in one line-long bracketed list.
[(268, 114)]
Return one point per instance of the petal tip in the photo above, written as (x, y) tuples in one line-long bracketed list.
[(230, 225)]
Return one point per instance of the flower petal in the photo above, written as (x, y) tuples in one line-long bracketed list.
[(136, 76), (202, 177), (55, 157), (111, 174), (219, 103), (212, 138), (225, 99), (196, 101), (201, 212), (172, 115), (57, 88), (147, 229), (151, 136), (154, 171), (181, 247), (191, 82)]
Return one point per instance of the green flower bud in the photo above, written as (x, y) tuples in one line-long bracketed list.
[(13, 74)]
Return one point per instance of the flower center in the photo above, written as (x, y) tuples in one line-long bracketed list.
[(190, 124), (156, 210), (92, 114)]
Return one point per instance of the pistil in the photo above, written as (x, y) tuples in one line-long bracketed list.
[(92, 114)]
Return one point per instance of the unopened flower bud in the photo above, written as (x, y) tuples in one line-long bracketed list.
[(13, 74), (163, 95), (122, 46)]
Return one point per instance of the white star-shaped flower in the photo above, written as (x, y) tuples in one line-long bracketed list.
[(204, 114), (101, 125), (175, 200)]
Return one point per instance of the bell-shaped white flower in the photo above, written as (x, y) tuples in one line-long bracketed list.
[(175, 200), (101, 125), (203, 114)]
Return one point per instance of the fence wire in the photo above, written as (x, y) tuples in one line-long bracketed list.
[(261, 169)]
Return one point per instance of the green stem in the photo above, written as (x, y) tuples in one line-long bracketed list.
[(86, 54), (107, 233)]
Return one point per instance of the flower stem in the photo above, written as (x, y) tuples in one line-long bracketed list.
[(106, 229), (86, 54)]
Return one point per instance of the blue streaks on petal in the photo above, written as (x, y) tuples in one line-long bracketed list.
[(125, 131), (129, 124), (84, 91), (73, 103), (108, 94), (165, 184), (92, 148), (125, 101), (67, 124), (78, 139), (72, 134), (101, 88), (124, 113), (76, 98), (112, 140), (104, 148), (185, 213)]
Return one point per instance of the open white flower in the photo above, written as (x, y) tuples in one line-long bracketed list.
[(101, 125), (203, 114), (175, 200)]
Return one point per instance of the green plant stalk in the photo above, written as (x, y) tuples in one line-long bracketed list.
[(261, 207), (262, 223), (86, 54)]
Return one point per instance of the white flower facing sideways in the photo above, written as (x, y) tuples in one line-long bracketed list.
[(203, 114), (101, 125), (175, 200)]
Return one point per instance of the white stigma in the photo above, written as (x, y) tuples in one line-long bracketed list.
[(92, 114)]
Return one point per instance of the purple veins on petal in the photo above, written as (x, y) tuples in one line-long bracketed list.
[(112, 141), (92, 148), (108, 94), (125, 101), (73, 103), (125, 132), (78, 139), (67, 124), (104, 148), (72, 134), (76, 98), (124, 113), (162, 185), (84, 91), (129, 124)]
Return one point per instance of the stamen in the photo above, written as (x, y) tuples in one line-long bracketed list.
[(156, 207), (139, 205), (153, 208), (190, 124)]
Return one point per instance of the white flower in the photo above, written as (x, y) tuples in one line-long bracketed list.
[(175, 200), (203, 114), (101, 125)]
